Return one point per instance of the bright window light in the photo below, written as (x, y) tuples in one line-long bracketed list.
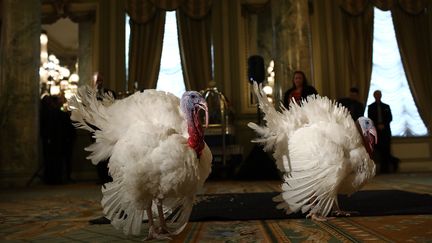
[(388, 75), (127, 35), (170, 75)]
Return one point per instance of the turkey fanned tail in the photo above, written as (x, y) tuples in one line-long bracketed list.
[(90, 114), (318, 148), (127, 217)]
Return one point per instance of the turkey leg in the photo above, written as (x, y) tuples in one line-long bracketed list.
[(163, 228), (152, 234)]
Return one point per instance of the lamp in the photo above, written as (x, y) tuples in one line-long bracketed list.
[(54, 78), (268, 88)]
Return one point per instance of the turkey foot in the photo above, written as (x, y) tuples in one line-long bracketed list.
[(339, 213), (152, 234), (156, 234), (318, 217)]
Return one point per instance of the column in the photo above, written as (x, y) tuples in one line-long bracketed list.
[(19, 90), (85, 52), (292, 46)]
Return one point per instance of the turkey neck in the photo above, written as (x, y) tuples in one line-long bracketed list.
[(196, 132)]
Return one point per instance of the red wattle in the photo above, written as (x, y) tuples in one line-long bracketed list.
[(195, 141)]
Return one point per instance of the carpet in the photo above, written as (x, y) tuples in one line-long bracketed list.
[(259, 206), (61, 214)]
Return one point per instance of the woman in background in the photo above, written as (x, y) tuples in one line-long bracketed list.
[(300, 89)]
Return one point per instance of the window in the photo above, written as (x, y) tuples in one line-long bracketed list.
[(170, 75), (127, 35), (388, 75)]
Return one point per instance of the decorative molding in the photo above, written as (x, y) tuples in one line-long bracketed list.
[(77, 11)]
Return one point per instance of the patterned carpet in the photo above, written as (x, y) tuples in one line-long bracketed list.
[(61, 214)]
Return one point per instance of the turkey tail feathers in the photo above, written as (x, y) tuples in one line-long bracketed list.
[(267, 133), (121, 213), (87, 110), (305, 193), (183, 210), (273, 136), (271, 115), (91, 114)]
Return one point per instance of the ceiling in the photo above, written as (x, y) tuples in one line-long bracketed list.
[(64, 33)]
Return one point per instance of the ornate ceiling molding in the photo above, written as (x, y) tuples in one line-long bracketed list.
[(77, 11)]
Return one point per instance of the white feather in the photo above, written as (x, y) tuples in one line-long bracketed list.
[(320, 150), (145, 138)]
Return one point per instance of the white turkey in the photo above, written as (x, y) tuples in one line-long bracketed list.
[(319, 149), (157, 156)]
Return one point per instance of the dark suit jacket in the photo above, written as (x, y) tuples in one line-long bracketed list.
[(384, 135), (355, 107), (385, 112)]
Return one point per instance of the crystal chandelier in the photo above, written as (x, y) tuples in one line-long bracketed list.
[(55, 80)]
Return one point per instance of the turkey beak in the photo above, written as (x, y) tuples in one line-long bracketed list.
[(203, 105)]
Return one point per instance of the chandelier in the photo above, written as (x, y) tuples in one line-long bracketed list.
[(55, 80)]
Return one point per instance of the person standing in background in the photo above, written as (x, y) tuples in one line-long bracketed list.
[(58, 138), (299, 90), (352, 103), (380, 114)]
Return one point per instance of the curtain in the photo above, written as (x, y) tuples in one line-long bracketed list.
[(147, 31), (358, 31), (195, 50), (194, 25), (329, 66), (145, 51), (1, 14), (413, 28), (145, 46)]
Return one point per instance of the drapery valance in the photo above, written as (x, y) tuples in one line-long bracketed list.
[(147, 31), (141, 11), (357, 7)]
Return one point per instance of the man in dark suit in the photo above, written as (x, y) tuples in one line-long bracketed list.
[(381, 115), (352, 103)]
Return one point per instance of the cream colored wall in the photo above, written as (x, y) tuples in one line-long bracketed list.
[(415, 153)]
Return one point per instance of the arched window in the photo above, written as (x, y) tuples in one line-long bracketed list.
[(170, 74), (388, 75)]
